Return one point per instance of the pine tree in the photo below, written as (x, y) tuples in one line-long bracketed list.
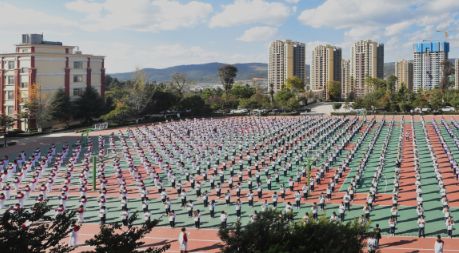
[(90, 105), (274, 231), (34, 231), (61, 107), (115, 238)]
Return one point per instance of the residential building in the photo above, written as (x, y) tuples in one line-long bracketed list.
[(404, 74), (428, 64), (286, 60), (50, 66), (325, 67), (346, 80), (367, 60)]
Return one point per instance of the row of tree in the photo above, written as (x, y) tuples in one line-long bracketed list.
[(385, 97), (40, 110), (34, 231), (140, 97)]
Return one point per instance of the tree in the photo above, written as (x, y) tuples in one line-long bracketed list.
[(90, 105), (271, 92), (273, 231), (242, 91), (286, 100), (227, 74), (390, 83), (162, 100), (337, 106), (436, 99), (195, 104), (139, 93), (256, 101), (37, 108), (118, 114), (334, 90), (33, 231), (61, 108), (294, 84), (111, 82), (180, 81), (5, 123), (115, 238)]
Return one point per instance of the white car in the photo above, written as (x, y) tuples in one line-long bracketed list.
[(448, 109), (239, 111)]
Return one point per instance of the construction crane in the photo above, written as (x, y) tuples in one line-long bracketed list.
[(445, 34)]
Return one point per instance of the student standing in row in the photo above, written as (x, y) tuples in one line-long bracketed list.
[(421, 225)]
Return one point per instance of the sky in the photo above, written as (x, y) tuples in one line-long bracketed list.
[(161, 33)]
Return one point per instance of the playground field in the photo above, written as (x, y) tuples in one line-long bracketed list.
[(229, 150)]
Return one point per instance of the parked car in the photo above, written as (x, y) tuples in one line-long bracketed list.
[(448, 109), (259, 112), (239, 111)]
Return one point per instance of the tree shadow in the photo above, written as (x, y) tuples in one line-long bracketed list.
[(397, 243), (206, 248), (157, 244)]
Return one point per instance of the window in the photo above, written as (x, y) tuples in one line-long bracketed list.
[(24, 85), (9, 95), (10, 80), (78, 91), (78, 65), (10, 64), (24, 70), (9, 109), (78, 78)]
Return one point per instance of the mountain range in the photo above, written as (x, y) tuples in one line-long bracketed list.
[(205, 73), (208, 72)]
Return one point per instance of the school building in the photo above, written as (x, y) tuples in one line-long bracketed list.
[(45, 67)]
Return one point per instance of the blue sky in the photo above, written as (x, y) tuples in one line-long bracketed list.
[(161, 33)]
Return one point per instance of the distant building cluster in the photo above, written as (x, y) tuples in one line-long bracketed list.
[(425, 71), (49, 66)]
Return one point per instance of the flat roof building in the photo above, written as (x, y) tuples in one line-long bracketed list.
[(49, 65)]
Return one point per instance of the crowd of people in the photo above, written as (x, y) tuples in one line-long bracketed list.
[(233, 164)]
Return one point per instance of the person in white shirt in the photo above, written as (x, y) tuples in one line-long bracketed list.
[(223, 219), (439, 244), (371, 243), (183, 240), (421, 225)]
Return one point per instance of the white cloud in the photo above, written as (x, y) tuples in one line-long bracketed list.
[(397, 28), (28, 20), (362, 32), (292, 1), (141, 15), (346, 14), (396, 23), (258, 33), (242, 12), (123, 56), (440, 6)]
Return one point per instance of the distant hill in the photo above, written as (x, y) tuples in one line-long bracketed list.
[(206, 73)]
